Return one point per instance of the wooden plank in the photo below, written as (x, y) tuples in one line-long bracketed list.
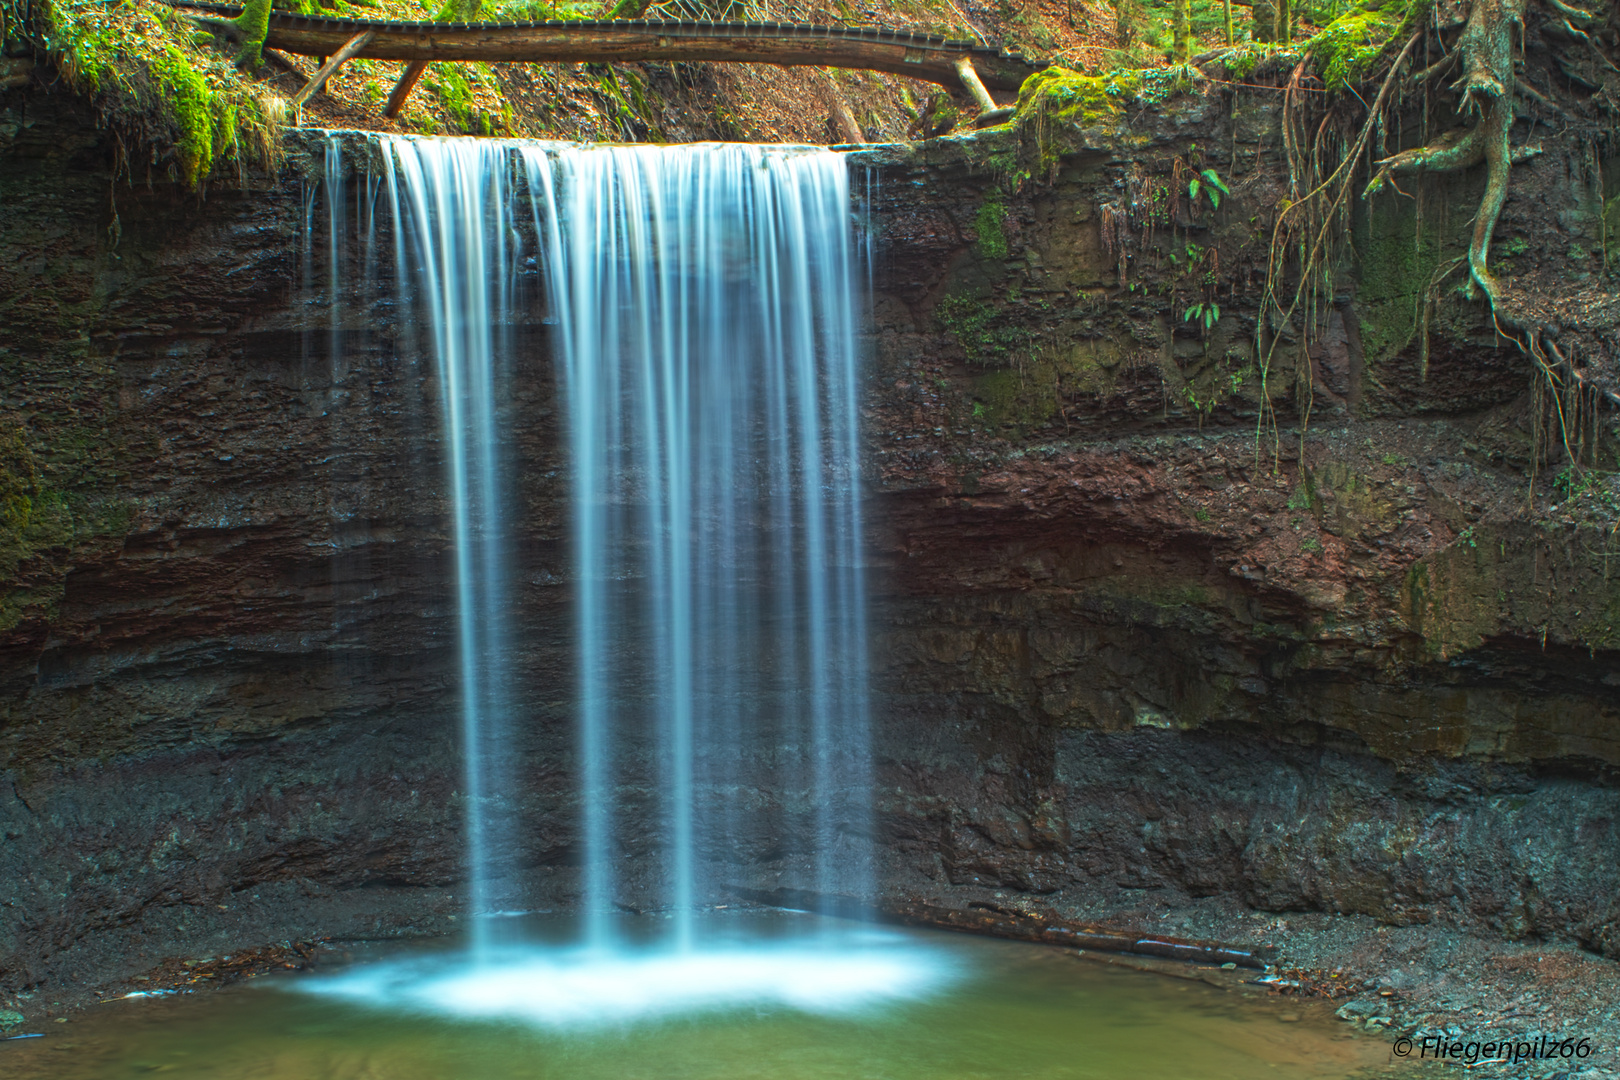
[(347, 51)]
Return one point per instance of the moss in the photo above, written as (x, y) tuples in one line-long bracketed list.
[(1346, 48), (148, 76), (996, 395), (968, 321), (1057, 102), (34, 521), (32, 518), (989, 224), (1397, 256), (449, 84), (984, 335), (1058, 93), (42, 532), (1241, 60), (626, 96), (207, 121), (254, 23)]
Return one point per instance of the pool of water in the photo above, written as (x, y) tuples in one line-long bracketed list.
[(798, 1007)]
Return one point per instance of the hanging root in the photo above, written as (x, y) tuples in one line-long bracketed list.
[(1304, 232), (1307, 222)]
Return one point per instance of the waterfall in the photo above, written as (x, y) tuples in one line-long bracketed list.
[(706, 309), (451, 205), (703, 305)]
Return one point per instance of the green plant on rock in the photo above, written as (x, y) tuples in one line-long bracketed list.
[(1205, 315), (968, 321), (1208, 183)]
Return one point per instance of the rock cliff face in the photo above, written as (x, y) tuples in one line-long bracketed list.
[(1142, 622), (1323, 640)]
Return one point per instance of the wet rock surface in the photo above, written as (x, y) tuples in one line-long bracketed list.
[(1349, 692)]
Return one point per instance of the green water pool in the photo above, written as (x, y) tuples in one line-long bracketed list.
[(995, 1010)]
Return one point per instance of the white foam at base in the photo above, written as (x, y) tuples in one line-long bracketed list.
[(559, 988)]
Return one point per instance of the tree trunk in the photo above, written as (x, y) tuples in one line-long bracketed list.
[(1124, 24), (254, 25), (1262, 20)]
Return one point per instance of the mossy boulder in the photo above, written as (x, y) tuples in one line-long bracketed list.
[(1345, 49), (1082, 100)]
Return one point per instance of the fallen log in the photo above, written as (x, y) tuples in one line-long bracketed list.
[(928, 57), (1017, 926)]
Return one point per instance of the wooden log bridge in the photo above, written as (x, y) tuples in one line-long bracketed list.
[(949, 62)]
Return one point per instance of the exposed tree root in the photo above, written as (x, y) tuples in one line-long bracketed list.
[(1304, 236), (1453, 150), (1493, 128)]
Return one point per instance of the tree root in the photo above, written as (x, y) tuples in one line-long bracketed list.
[(1575, 15), (1488, 83), (1451, 152), (1489, 86), (1536, 95), (1494, 127)]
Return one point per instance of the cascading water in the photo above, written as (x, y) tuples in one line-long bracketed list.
[(703, 305), (451, 207), (706, 313)]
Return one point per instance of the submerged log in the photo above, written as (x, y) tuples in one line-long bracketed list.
[(920, 56), (1017, 926)]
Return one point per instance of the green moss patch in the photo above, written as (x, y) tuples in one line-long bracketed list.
[(151, 73), (990, 224), (40, 529), (1084, 100), (1345, 49)]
